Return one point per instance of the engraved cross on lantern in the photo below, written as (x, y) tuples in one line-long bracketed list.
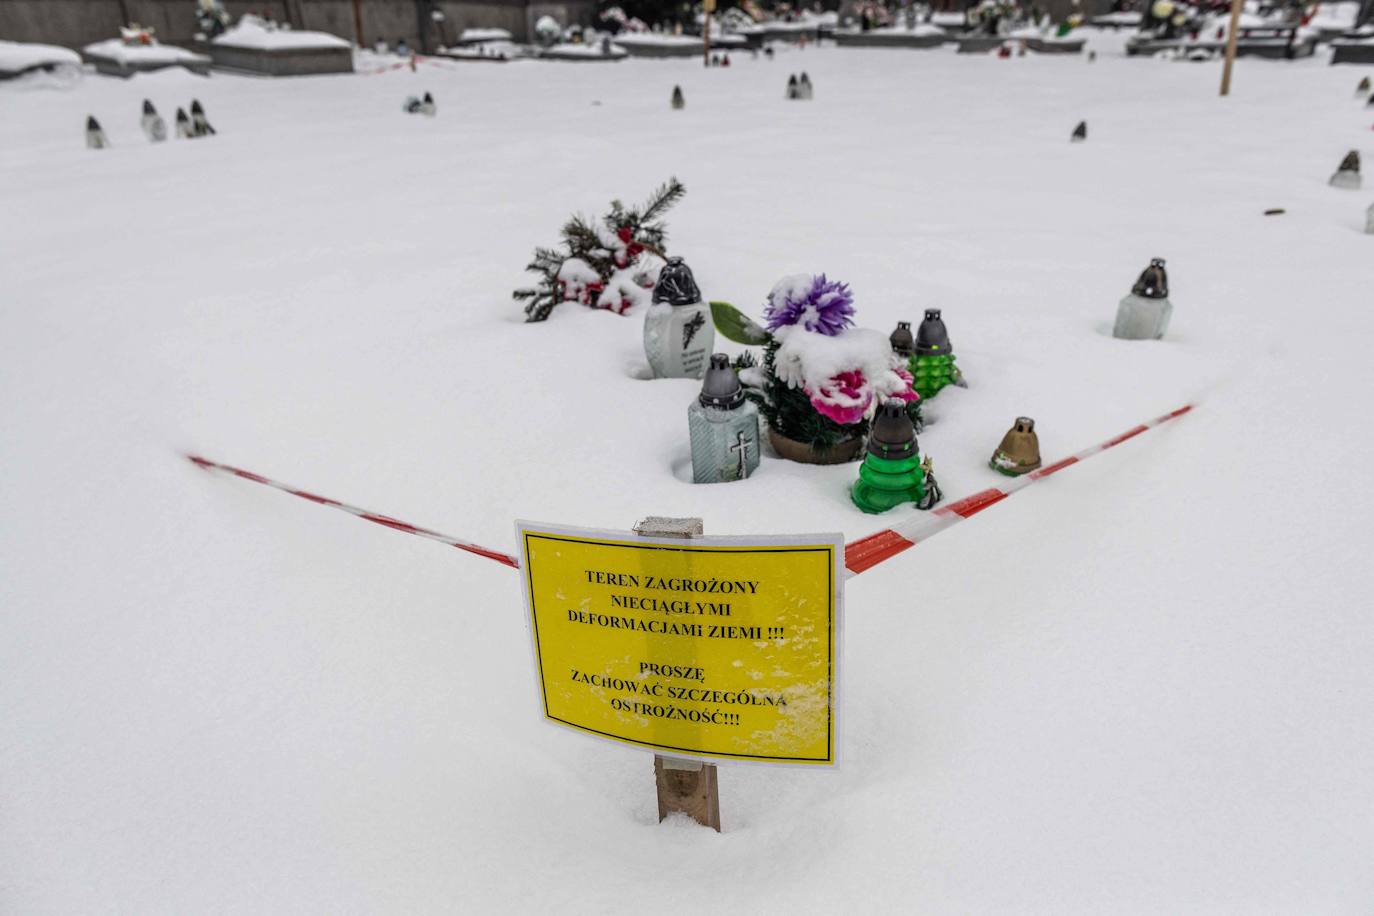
[(742, 447)]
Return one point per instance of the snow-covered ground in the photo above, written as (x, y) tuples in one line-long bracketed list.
[(1143, 686)]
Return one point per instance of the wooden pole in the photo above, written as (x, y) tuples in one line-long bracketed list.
[(1231, 47), (358, 21), (688, 787), (422, 24), (708, 9)]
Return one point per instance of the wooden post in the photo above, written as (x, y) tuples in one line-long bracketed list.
[(422, 23), (686, 786), (708, 8), (358, 22), (1231, 47)]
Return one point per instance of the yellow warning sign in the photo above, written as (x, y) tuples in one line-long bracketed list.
[(718, 647)]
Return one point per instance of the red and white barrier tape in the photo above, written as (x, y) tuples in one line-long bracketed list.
[(376, 517), (419, 59), (859, 556), (387, 69), (865, 553)]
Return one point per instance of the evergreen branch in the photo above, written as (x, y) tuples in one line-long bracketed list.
[(586, 241), (539, 308), (662, 200), (580, 236), (546, 261)]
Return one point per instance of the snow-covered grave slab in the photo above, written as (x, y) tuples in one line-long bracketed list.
[(980, 44), (1355, 48), (1050, 44), (724, 40), (1334, 20), (1043, 43), (1256, 37), (1124, 19), (480, 36), (489, 52), (583, 53), (252, 46), (651, 44), (115, 58), (802, 29), (949, 20), (729, 41), (19, 57), (925, 35)]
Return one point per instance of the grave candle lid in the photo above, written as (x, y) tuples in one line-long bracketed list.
[(675, 285), (893, 436), (903, 344), (931, 337), (721, 387), (1153, 282)]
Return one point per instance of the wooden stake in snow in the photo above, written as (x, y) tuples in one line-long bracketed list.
[(358, 22), (1231, 47), (688, 787), (708, 9)]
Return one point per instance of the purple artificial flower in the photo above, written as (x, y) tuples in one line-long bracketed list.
[(817, 304)]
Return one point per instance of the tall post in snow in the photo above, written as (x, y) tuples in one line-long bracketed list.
[(708, 9), (1231, 47), (422, 26)]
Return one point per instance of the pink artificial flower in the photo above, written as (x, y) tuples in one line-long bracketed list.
[(908, 393), (844, 399)]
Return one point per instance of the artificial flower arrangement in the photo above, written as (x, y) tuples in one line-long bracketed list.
[(611, 263), (137, 36), (822, 379)]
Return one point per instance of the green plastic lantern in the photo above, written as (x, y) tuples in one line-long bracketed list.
[(932, 368), (892, 472)]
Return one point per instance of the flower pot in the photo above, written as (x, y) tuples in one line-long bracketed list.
[(792, 450)]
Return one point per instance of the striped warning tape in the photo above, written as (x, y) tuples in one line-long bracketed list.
[(865, 553), (859, 556), (419, 59), (387, 69), (374, 517)]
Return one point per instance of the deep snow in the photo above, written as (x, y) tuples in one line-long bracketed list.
[(1141, 686)]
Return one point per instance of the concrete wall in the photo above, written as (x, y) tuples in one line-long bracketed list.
[(74, 23)]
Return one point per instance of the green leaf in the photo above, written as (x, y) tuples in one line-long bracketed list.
[(735, 325)]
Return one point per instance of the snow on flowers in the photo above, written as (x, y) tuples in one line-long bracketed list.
[(822, 379), (845, 371), (607, 263)]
